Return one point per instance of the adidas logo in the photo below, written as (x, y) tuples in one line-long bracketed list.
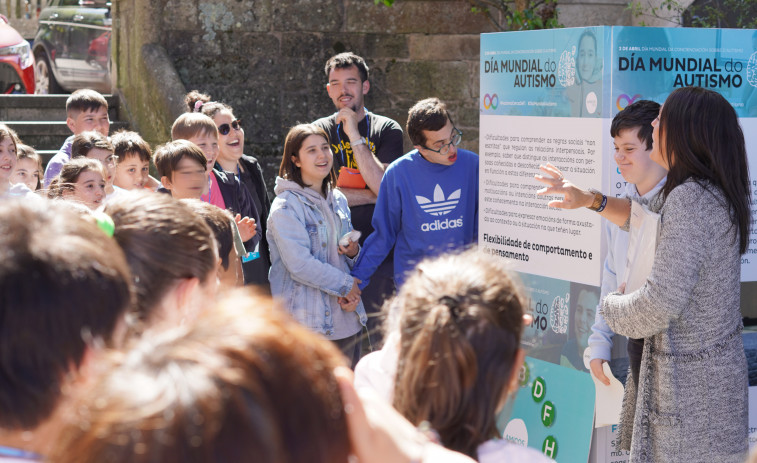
[(440, 205)]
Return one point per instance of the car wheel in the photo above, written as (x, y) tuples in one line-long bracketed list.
[(44, 80)]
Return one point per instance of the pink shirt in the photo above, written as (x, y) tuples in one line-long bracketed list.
[(214, 193)]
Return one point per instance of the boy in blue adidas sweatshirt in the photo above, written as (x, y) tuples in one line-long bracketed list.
[(428, 199)]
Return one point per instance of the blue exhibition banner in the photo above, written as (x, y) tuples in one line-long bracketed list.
[(649, 63), (532, 73), (550, 96)]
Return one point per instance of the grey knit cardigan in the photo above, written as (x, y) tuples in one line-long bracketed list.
[(691, 405)]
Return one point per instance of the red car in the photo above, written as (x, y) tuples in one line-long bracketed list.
[(16, 61)]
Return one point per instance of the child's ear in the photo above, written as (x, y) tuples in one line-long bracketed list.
[(71, 124), (166, 182), (295, 161)]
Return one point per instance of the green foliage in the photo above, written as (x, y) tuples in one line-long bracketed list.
[(738, 14), (509, 16)]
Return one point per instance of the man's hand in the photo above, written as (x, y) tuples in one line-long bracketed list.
[(355, 292), (349, 119)]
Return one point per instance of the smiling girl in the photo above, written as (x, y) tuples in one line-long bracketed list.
[(310, 270), (28, 167), (8, 142), (8, 164), (81, 180)]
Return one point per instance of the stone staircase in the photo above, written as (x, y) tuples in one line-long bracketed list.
[(40, 120)]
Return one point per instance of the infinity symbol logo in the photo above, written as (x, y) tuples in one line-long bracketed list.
[(628, 101), (491, 101)]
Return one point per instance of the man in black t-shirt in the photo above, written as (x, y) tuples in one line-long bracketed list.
[(363, 144)]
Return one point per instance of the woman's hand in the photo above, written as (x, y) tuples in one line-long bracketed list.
[(573, 196), (350, 250), (347, 305), (597, 369), (247, 227)]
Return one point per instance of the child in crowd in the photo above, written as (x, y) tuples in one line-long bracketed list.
[(94, 145), (459, 318), (64, 287), (86, 110), (631, 130), (428, 200), (310, 268), (223, 189), (182, 167), (172, 254), (28, 167), (81, 180), (231, 158), (132, 155), (242, 380), (8, 159), (230, 246)]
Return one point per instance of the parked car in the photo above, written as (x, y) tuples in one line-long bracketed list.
[(72, 46), (16, 61)]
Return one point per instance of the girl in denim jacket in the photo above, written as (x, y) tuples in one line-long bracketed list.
[(310, 270)]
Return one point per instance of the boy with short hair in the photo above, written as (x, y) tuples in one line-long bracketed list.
[(428, 199), (86, 110), (182, 167), (132, 155), (631, 130)]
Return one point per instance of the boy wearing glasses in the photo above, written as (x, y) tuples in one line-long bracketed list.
[(428, 200)]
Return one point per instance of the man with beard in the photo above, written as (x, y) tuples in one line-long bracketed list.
[(364, 144)]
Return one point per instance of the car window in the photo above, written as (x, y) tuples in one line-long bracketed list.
[(69, 3)]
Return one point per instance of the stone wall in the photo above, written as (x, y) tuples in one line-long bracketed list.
[(265, 57)]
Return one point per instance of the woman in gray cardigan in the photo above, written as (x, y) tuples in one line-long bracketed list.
[(691, 403)]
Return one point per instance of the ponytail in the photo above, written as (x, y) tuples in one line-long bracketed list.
[(460, 329)]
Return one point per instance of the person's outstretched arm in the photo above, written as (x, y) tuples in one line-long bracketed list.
[(617, 210)]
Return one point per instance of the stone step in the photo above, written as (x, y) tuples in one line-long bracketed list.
[(43, 107), (46, 155), (47, 135)]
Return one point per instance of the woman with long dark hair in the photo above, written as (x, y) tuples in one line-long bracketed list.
[(691, 403)]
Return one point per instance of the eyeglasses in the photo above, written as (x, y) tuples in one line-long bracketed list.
[(224, 129), (455, 139)]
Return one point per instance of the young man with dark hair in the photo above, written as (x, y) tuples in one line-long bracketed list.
[(64, 284), (363, 144), (631, 130), (428, 201), (85, 110)]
